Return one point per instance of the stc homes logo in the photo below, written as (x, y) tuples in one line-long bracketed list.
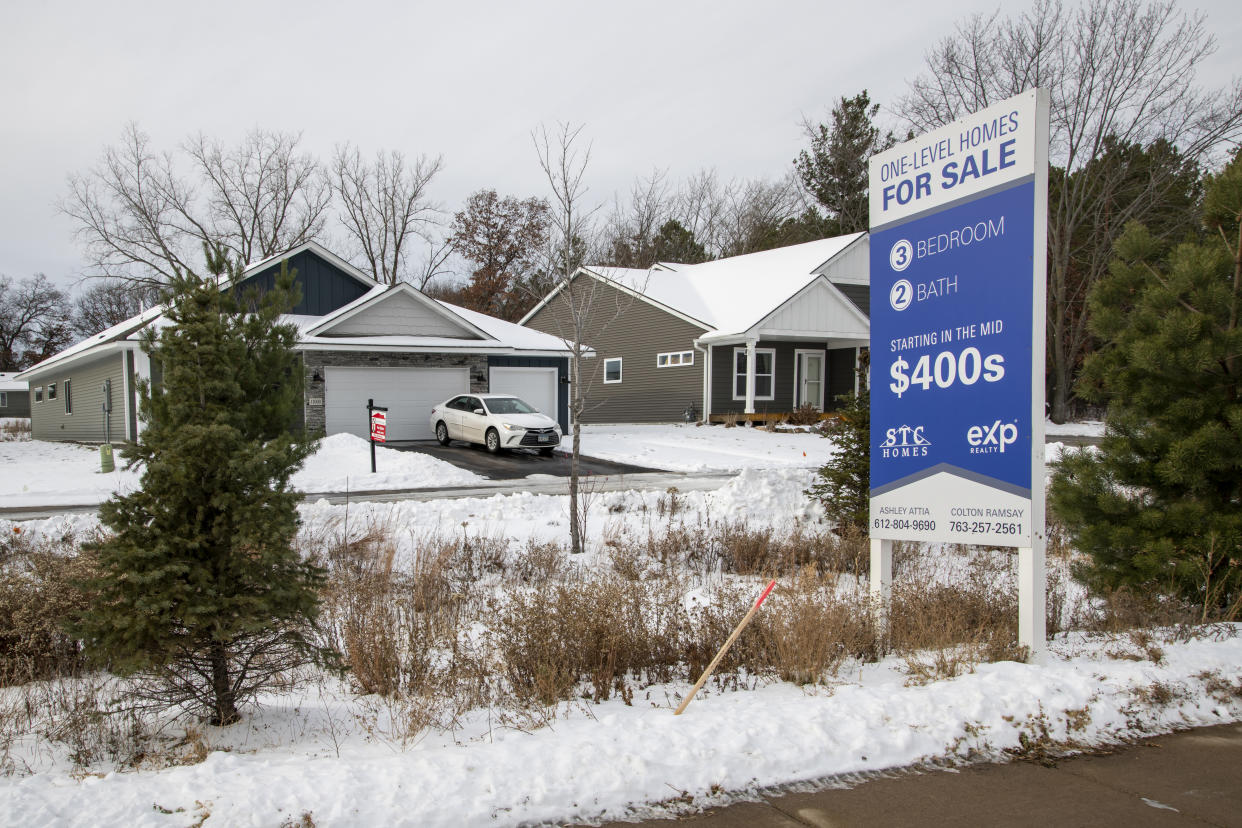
[(905, 441)]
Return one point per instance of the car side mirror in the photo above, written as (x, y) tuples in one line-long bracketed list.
[(478, 411)]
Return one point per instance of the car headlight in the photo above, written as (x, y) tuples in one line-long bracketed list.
[(510, 427)]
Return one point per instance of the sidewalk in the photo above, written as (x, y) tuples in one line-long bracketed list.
[(1189, 778)]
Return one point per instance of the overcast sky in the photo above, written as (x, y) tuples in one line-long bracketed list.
[(678, 86)]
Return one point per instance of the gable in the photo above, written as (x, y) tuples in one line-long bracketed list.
[(399, 313), (817, 310), (325, 287)]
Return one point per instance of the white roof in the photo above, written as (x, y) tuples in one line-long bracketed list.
[(7, 383), (732, 295)]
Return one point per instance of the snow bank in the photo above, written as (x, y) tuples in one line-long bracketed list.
[(615, 760)]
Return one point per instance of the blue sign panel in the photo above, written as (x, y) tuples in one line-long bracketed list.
[(951, 362), (951, 342)]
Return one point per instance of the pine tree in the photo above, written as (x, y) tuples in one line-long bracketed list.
[(834, 171), (843, 484), (1159, 507), (201, 592)]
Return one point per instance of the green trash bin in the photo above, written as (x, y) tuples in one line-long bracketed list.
[(105, 458)]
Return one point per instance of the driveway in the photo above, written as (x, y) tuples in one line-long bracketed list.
[(512, 464)]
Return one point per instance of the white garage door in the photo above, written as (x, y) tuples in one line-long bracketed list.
[(538, 386), (409, 394)]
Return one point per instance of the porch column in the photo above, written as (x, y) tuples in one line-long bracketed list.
[(750, 376)]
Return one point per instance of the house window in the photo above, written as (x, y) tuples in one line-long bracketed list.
[(38, 393), (612, 370), (672, 360), (51, 390), (68, 398), (765, 368), (4, 399)]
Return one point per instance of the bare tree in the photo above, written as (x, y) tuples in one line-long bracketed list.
[(109, 302), (142, 219), (578, 302), (631, 227), (385, 208), (701, 204), (34, 321), (1119, 73), (755, 212), (263, 197)]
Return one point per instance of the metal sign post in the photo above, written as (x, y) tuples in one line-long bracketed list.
[(377, 422), (958, 260)]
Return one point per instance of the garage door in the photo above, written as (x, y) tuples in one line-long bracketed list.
[(409, 394), (538, 386)]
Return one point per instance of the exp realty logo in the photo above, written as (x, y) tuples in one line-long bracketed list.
[(904, 441)]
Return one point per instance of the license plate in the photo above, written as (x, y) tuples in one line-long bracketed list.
[(545, 438)]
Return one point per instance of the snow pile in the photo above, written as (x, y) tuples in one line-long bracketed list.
[(304, 754), (343, 463), (692, 448), (40, 473)]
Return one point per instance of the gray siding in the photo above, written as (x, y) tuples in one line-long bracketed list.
[(839, 369), (16, 404), (48, 420), (635, 331)]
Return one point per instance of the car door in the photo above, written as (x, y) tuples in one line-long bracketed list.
[(473, 426), (452, 417)]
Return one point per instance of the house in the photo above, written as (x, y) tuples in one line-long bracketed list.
[(760, 334), (14, 397), (358, 340)]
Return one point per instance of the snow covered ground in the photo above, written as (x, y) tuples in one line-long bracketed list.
[(323, 751), (315, 752)]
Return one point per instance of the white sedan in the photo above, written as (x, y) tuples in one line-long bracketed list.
[(497, 421)]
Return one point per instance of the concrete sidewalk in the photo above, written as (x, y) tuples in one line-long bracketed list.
[(1189, 778)]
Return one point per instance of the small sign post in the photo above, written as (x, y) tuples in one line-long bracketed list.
[(377, 419)]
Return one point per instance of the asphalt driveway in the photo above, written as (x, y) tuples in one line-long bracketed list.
[(514, 463)]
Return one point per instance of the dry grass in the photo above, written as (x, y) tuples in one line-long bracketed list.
[(41, 588), (431, 627), (14, 430)]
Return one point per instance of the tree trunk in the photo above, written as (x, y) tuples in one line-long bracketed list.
[(575, 526), (225, 700)]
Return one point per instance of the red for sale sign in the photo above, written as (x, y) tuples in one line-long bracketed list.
[(379, 426)]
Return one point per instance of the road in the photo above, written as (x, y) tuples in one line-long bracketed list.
[(1192, 778)]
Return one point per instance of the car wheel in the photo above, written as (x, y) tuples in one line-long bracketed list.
[(493, 441), (442, 433), (546, 452)]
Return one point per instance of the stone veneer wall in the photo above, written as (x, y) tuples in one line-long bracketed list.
[(313, 361)]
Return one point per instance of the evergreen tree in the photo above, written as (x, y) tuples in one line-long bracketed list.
[(1159, 507), (200, 588), (843, 484), (834, 171), (675, 243)]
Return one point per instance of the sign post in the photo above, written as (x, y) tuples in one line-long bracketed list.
[(377, 419), (958, 261)]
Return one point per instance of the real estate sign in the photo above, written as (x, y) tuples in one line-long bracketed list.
[(958, 240)]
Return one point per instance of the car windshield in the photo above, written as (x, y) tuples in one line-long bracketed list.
[(509, 405)]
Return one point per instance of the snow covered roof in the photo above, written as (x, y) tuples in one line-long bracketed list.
[(729, 296), (7, 383), (484, 333)]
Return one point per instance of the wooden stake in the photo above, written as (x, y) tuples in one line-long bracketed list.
[(724, 649)]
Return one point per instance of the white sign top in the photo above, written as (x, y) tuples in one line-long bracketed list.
[(991, 147)]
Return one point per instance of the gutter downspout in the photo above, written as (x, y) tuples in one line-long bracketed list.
[(707, 379)]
